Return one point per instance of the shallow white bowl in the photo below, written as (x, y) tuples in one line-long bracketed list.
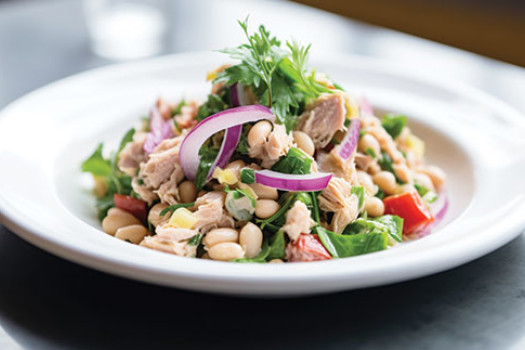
[(44, 197)]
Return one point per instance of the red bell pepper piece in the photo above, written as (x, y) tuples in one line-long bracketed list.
[(307, 247), (132, 205), (411, 208)]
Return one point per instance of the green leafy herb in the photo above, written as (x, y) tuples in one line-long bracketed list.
[(96, 164), (370, 152), (392, 225), (174, 207), (178, 110), (287, 201), (394, 124), (426, 194), (214, 104), (359, 191), (380, 194), (247, 176), (207, 157), (107, 170), (296, 67), (195, 240), (343, 246), (128, 137), (243, 147), (295, 162)]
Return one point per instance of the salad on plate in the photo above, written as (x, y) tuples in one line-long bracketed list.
[(278, 164)]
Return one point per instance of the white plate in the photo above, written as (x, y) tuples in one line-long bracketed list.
[(44, 198)]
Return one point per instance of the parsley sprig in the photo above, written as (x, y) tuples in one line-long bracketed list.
[(279, 77)]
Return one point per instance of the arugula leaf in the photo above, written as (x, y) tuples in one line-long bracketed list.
[(343, 246), (295, 162), (128, 137), (394, 224), (96, 164), (385, 162), (174, 207), (380, 194), (214, 104), (359, 191), (207, 157), (391, 225), (277, 246), (394, 124), (103, 204)]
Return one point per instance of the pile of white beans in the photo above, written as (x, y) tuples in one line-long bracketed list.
[(123, 225)]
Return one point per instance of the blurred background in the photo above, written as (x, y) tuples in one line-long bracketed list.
[(495, 28)]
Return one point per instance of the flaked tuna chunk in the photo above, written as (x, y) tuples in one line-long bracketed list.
[(271, 149), (161, 163), (346, 215), (332, 163), (210, 212), (298, 220), (145, 193), (323, 118), (132, 154), (168, 192), (337, 197), (167, 242)]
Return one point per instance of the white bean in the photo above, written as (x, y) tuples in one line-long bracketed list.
[(275, 261), (264, 192), (220, 235), (304, 142), (266, 208), (366, 181), (368, 141), (437, 175), (187, 192), (424, 180), (226, 251), (251, 238), (116, 219), (386, 181), (133, 233), (154, 214), (259, 133), (236, 167), (374, 206)]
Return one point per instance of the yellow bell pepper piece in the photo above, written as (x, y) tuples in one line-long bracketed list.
[(225, 176), (183, 218)]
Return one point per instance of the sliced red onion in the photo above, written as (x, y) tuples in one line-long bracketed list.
[(292, 182), (349, 143), (365, 107), (189, 150), (160, 130), (231, 139), (238, 95)]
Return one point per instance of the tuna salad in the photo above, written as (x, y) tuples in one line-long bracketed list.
[(278, 164)]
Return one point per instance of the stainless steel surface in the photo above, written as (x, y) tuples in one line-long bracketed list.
[(49, 303)]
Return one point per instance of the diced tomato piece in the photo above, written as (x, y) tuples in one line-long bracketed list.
[(132, 205), (308, 247), (411, 208)]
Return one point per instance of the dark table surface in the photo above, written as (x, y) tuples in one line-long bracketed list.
[(50, 303)]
